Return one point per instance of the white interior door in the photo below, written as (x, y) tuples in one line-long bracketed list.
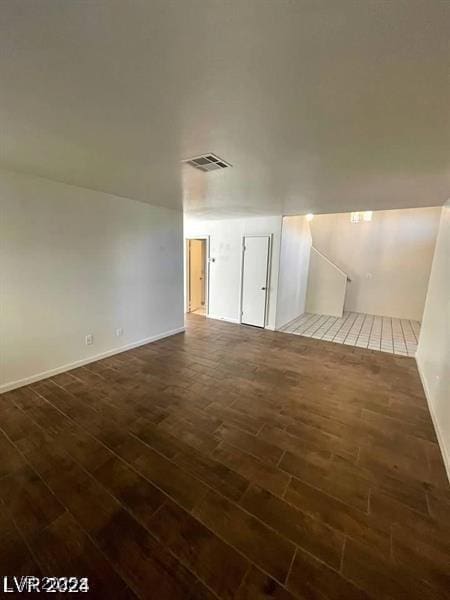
[(254, 280), (196, 274)]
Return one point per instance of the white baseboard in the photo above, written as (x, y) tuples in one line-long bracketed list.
[(217, 318), (6, 387), (235, 321), (439, 435), (282, 327)]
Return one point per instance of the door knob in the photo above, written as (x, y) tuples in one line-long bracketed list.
[(264, 288)]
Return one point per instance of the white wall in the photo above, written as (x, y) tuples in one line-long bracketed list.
[(225, 272), (326, 287), (74, 261), (294, 267), (388, 259), (433, 353)]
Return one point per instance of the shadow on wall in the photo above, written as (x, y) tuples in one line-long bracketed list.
[(294, 268), (388, 259)]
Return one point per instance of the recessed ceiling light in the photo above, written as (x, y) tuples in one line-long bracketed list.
[(207, 162)]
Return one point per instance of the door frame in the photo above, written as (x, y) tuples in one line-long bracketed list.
[(188, 271), (268, 276)]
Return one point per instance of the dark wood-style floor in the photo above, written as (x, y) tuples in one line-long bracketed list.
[(228, 462)]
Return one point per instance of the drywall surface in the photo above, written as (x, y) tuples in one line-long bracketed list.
[(433, 353), (388, 259), (326, 287), (294, 268), (226, 261), (75, 262)]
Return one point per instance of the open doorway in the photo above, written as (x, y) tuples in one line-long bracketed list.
[(197, 275), (358, 278)]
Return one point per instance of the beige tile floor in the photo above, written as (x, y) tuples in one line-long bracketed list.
[(387, 334)]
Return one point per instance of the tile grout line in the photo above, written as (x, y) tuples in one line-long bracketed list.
[(290, 567), (414, 333), (24, 539), (392, 335), (283, 495), (404, 338), (281, 458), (341, 566), (342, 325), (304, 319), (318, 324), (309, 323), (207, 485), (109, 493), (371, 329), (350, 328), (343, 320), (140, 475), (243, 580), (210, 488), (349, 325), (362, 327), (332, 324), (66, 509)]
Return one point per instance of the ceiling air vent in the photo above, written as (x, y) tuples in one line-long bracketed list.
[(207, 162)]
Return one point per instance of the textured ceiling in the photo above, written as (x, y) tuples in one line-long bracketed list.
[(320, 106)]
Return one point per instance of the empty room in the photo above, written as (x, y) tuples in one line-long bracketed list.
[(224, 299)]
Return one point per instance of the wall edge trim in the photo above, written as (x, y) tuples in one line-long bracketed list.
[(226, 319), (12, 385), (440, 437)]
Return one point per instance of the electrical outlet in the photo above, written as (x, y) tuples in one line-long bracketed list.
[(119, 331), (89, 339)]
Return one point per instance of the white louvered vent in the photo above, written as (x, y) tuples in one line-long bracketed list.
[(207, 162)]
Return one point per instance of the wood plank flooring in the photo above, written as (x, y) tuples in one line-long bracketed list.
[(228, 462)]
